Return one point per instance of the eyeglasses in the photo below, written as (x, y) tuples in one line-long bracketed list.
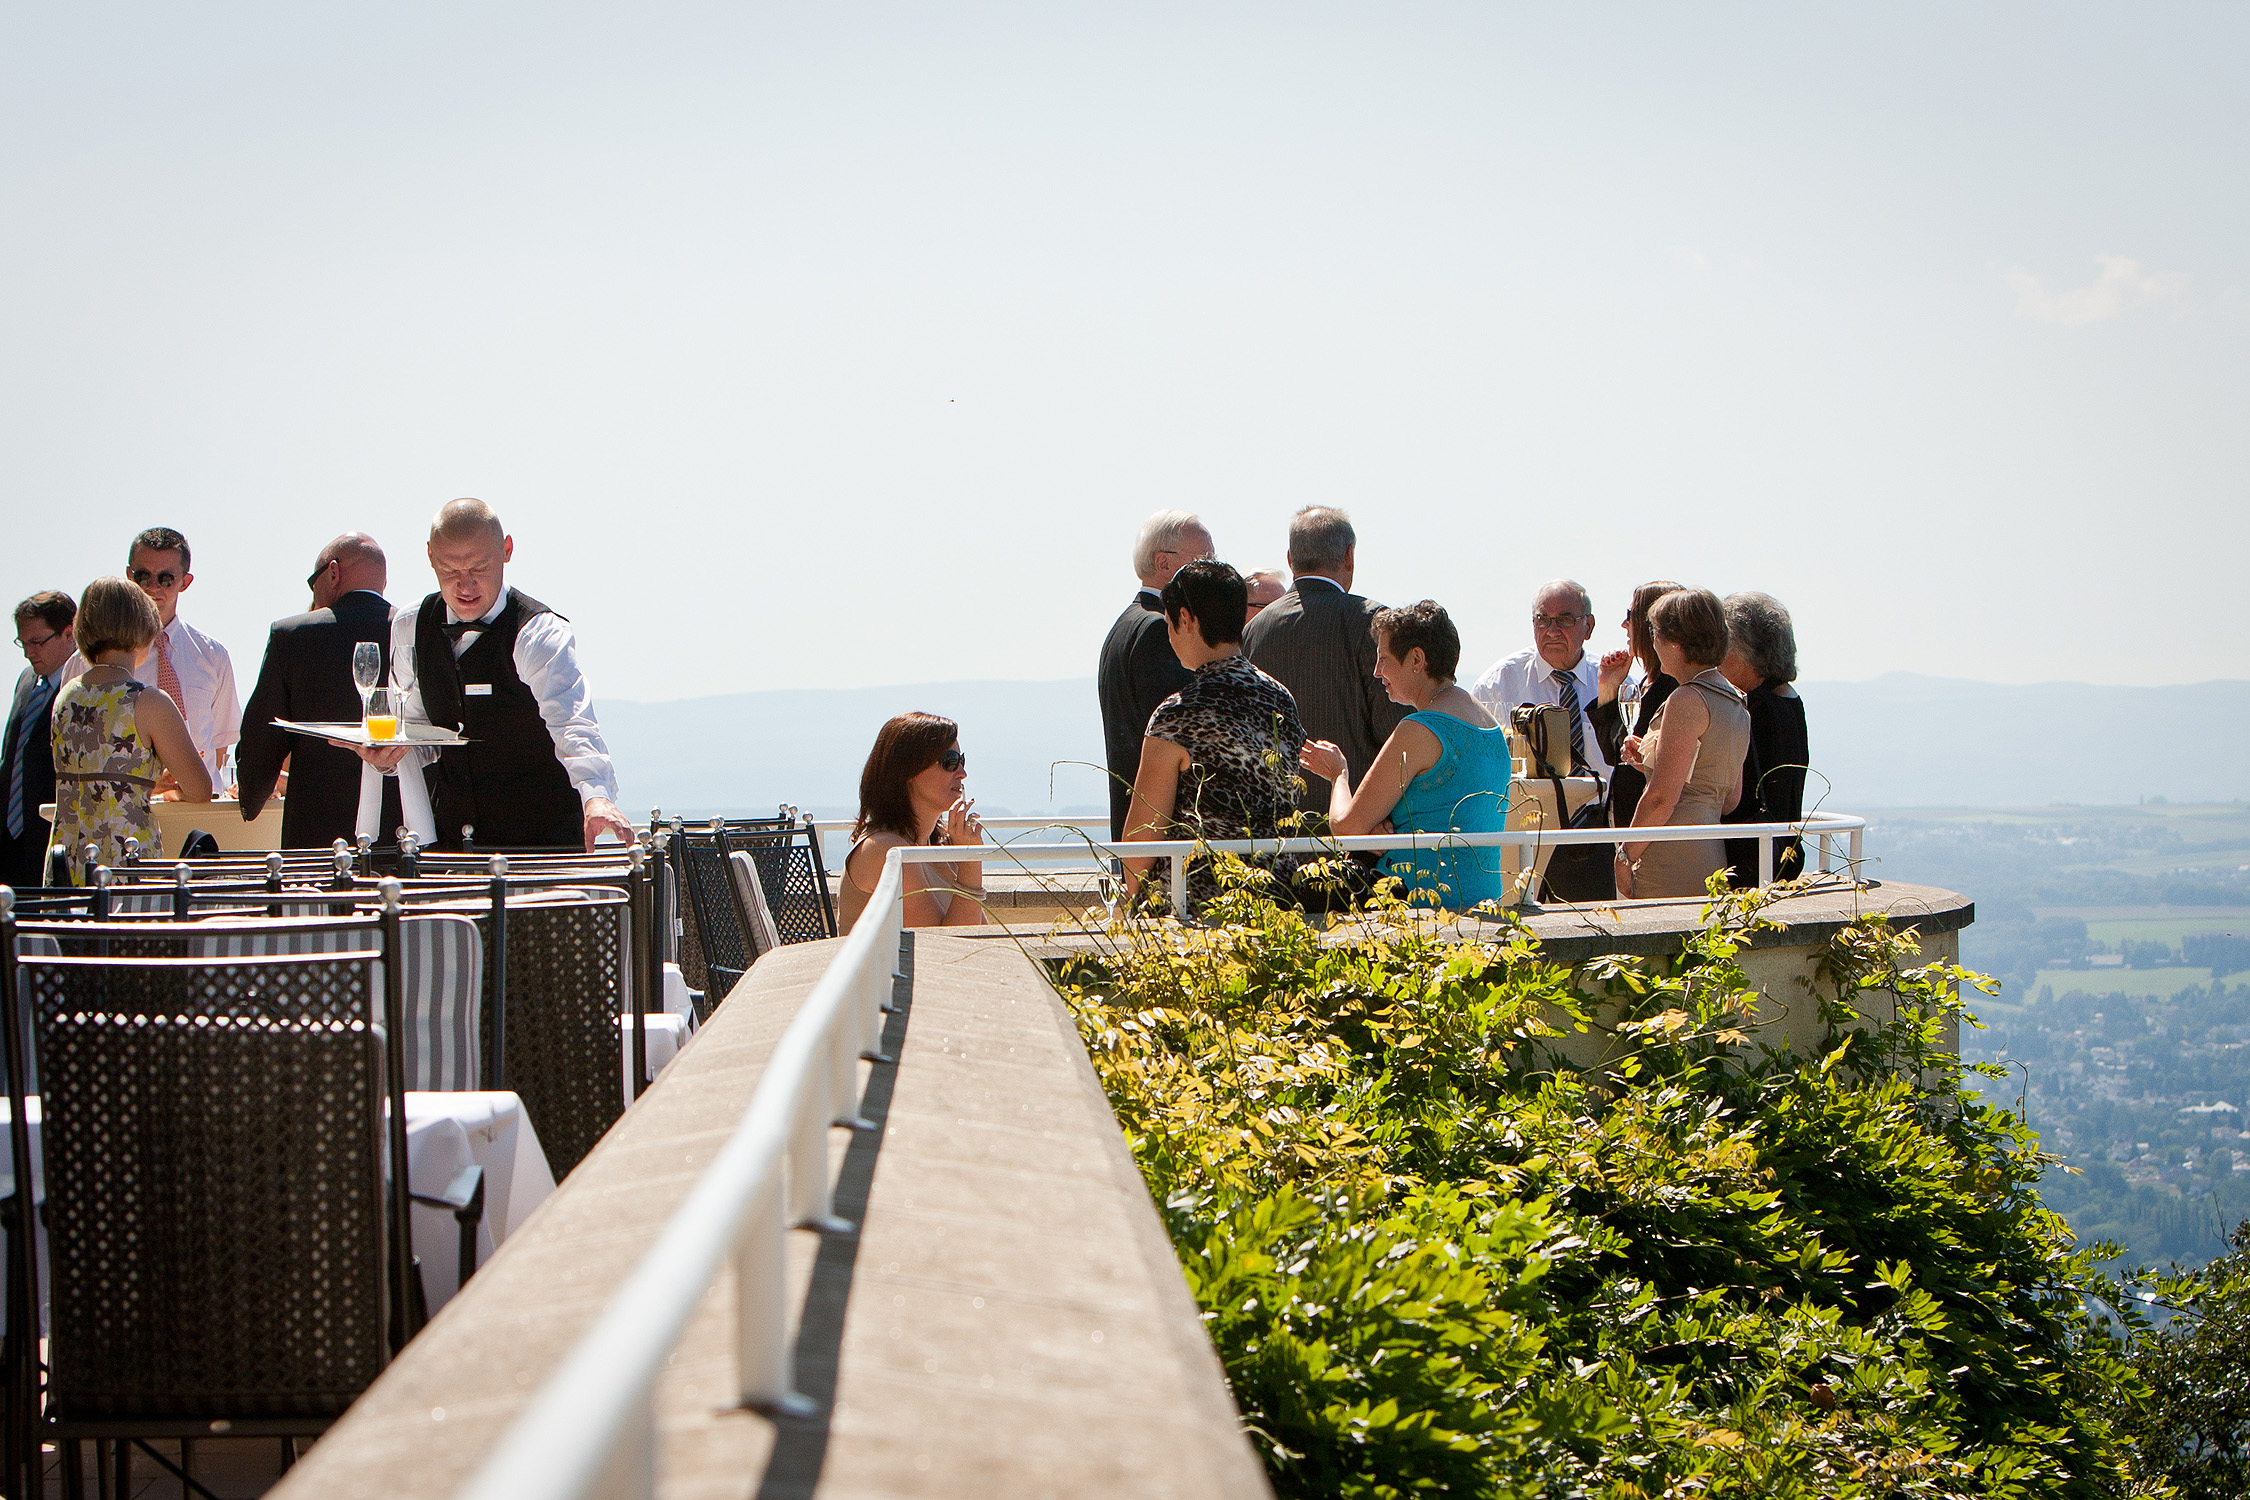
[(144, 577), (310, 578), (1555, 622), (35, 645), (951, 761)]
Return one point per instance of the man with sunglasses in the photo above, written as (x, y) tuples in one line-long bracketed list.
[(307, 676), (45, 625), (194, 670)]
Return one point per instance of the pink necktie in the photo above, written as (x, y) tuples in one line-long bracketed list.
[(166, 678)]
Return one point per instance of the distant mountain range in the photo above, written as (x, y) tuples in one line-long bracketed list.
[(1902, 740)]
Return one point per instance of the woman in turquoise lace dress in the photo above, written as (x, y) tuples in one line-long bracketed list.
[(112, 735), (1445, 768)]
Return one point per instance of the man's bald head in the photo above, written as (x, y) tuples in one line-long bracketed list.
[(352, 561), (466, 520)]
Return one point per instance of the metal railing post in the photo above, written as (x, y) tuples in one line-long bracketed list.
[(1179, 886), (644, 898), (809, 1203), (761, 1303), (1765, 859)]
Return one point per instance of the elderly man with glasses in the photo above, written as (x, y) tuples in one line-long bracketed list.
[(45, 630), (1557, 670), (194, 670)]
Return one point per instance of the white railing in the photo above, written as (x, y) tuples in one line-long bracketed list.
[(1824, 830), (591, 1429)]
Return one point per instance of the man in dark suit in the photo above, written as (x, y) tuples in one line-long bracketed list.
[(307, 676), (45, 630), (1138, 669), (1316, 641)]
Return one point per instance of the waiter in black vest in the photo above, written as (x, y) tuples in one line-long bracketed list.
[(502, 668)]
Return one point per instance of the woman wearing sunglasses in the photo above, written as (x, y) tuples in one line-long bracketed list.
[(910, 794)]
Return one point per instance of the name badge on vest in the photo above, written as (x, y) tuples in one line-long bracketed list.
[(477, 689)]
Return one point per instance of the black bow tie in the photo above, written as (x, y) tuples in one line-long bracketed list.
[(455, 629)]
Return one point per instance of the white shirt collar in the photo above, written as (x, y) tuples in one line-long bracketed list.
[(1303, 579)]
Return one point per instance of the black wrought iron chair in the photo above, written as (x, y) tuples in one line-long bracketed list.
[(721, 946), (224, 1247), (551, 1030), (795, 878)]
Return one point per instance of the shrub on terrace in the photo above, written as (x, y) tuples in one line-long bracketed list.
[(1438, 1260)]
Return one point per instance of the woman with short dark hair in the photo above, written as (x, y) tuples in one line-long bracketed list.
[(1762, 663), (1219, 759), (1444, 768), (1692, 753), (910, 794), (114, 736)]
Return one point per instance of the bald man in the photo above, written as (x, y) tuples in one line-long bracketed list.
[(488, 660), (307, 676)]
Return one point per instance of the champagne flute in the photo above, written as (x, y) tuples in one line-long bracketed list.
[(367, 667)]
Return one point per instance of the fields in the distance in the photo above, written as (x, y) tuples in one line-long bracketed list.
[(2157, 984), (2116, 925)]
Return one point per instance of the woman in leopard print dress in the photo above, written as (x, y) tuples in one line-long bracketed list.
[(1219, 760)]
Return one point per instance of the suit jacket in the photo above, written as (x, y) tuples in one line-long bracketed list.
[(1138, 672), (1318, 643), (307, 675), (23, 859)]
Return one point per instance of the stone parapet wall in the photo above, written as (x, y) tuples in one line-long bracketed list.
[(1008, 1319)]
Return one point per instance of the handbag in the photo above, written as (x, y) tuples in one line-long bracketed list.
[(1575, 872)]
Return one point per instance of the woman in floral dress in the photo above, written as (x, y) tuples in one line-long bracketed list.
[(114, 735), (1219, 757)]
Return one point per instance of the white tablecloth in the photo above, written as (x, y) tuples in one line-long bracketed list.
[(446, 1132)]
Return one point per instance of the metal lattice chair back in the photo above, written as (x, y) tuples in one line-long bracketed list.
[(795, 880), (701, 859), (213, 1141), (566, 990)]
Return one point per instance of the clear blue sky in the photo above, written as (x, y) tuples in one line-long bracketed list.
[(848, 344)]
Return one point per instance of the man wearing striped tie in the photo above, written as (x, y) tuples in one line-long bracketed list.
[(1558, 670), (194, 670), (44, 629)]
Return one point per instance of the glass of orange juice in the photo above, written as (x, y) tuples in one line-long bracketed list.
[(382, 714)]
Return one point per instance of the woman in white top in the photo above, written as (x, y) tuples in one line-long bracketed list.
[(910, 793)]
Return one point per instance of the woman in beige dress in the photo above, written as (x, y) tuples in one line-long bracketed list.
[(910, 793), (1692, 752)]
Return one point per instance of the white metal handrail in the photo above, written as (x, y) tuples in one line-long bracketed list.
[(590, 1430), (1822, 828)]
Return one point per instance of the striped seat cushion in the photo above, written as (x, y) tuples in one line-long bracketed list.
[(444, 963), (443, 967)]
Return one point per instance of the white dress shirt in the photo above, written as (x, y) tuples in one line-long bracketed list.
[(546, 658), (1526, 678), (206, 672)]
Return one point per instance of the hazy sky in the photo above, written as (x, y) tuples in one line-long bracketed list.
[(831, 345)]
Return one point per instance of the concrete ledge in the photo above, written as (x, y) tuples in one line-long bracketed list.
[(1008, 1320), (1573, 934)]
